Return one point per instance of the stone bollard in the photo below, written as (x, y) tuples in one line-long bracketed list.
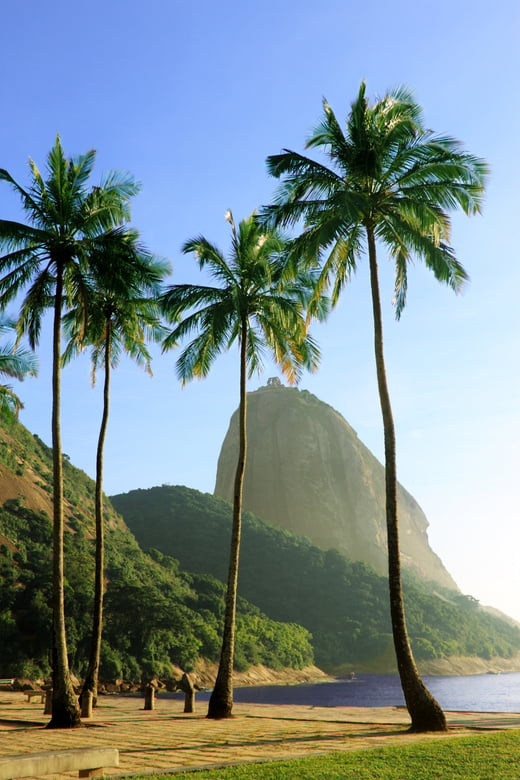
[(48, 702), (186, 685), (86, 704), (149, 697)]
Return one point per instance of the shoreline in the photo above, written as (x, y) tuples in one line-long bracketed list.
[(446, 667), (259, 675), (205, 673), (454, 666)]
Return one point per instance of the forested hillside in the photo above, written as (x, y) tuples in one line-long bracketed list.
[(166, 606), (155, 614), (344, 604)]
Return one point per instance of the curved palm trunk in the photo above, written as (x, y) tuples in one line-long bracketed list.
[(90, 683), (65, 710), (424, 710), (221, 701)]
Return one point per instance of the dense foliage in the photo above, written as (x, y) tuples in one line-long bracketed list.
[(344, 604), (155, 615)]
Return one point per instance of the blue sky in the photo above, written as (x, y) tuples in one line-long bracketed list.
[(191, 101)]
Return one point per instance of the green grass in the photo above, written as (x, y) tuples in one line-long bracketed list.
[(487, 757)]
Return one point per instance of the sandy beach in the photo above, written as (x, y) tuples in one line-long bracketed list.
[(166, 739)]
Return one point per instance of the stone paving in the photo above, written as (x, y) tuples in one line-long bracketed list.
[(166, 739)]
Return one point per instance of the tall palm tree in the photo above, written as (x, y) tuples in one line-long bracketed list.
[(388, 182), (68, 226), (17, 363), (118, 314), (255, 305)]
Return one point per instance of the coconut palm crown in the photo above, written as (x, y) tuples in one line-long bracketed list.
[(254, 303), (257, 305), (387, 183)]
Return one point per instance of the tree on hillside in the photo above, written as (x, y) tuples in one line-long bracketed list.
[(69, 226), (16, 363), (258, 306), (117, 314), (391, 182)]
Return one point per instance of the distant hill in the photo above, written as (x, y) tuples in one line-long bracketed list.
[(155, 614), (344, 604), (308, 472)]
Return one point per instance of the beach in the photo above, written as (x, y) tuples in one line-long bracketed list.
[(167, 740)]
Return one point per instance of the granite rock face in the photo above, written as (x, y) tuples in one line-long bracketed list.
[(308, 472)]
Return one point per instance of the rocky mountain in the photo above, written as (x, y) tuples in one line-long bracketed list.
[(308, 472)]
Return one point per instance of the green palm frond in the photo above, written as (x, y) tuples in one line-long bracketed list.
[(10, 403), (15, 236), (16, 363), (31, 204), (197, 358), (210, 257), (38, 299), (113, 308)]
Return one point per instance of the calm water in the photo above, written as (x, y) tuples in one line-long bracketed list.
[(479, 693)]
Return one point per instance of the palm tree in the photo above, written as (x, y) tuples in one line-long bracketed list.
[(69, 225), (16, 363), (118, 314), (390, 182), (255, 305)]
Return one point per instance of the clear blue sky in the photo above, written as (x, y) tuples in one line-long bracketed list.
[(191, 100)]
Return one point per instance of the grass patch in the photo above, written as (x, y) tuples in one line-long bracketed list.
[(487, 757)]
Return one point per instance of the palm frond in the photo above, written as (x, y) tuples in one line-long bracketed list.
[(38, 299), (16, 362), (30, 203), (197, 358), (10, 403), (208, 254), (17, 236)]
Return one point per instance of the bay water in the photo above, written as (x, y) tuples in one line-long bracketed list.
[(469, 693)]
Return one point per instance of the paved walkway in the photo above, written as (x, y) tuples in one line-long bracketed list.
[(167, 740)]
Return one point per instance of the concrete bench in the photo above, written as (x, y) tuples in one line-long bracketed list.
[(31, 694), (88, 762)]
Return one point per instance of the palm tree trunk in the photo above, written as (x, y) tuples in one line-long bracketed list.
[(424, 710), (221, 701), (90, 683), (65, 710)]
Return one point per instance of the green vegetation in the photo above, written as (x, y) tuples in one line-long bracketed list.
[(344, 604), (155, 614), (486, 757)]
